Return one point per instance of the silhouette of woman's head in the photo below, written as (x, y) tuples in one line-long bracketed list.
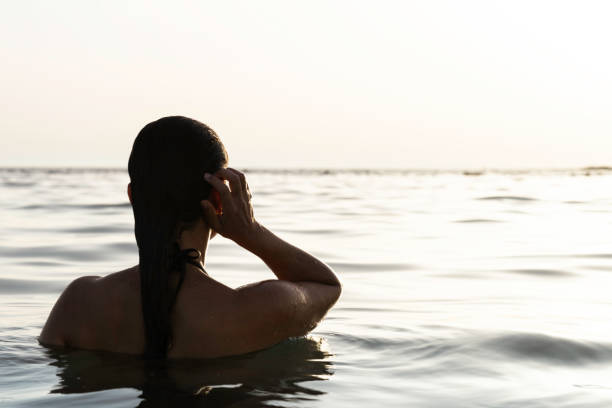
[(166, 168)]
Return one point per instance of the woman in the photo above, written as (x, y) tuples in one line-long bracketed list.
[(182, 194)]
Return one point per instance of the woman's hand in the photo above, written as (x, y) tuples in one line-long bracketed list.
[(236, 221)]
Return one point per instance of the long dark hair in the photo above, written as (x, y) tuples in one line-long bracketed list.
[(166, 167)]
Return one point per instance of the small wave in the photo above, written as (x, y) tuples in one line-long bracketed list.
[(13, 286), (553, 256), (311, 231), (122, 246), (54, 252), (73, 206), (98, 229), (17, 184), (382, 344), (540, 347), (458, 276), (541, 272), (602, 268), (235, 266), (602, 256), (372, 267), (593, 386), (477, 221), (61, 170), (597, 168), (507, 198), (516, 348), (41, 263), (368, 309)]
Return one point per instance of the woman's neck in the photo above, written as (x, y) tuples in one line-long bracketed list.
[(196, 237)]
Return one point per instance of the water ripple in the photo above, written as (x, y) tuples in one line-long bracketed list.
[(477, 221), (521, 347), (549, 349), (65, 206), (544, 273), (54, 252), (17, 184), (379, 267), (99, 229), (14, 286), (507, 198)]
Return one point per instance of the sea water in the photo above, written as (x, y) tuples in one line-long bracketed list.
[(460, 290)]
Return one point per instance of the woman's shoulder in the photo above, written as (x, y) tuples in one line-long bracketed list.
[(61, 320), (89, 307), (98, 293), (81, 286)]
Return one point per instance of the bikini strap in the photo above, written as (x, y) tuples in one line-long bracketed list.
[(179, 260)]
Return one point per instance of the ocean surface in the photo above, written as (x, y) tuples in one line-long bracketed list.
[(460, 290)]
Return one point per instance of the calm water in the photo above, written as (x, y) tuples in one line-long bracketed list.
[(459, 291)]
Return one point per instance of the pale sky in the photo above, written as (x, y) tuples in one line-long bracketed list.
[(408, 84)]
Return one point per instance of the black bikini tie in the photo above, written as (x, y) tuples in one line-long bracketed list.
[(179, 262), (184, 256)]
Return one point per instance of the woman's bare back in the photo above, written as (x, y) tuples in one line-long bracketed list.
[(209, 319)]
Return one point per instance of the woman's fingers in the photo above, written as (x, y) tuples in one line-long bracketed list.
[(237, 220), (243, 182), (234, 180), (220, 186)]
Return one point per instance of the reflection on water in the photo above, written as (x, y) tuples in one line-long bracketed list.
[(280, 373)]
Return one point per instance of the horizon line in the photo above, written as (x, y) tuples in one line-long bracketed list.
[(465, 170)]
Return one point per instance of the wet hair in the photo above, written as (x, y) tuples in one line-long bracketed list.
[(166, 167)]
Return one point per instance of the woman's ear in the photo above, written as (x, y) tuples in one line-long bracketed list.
[(215, 199), (129, 191)]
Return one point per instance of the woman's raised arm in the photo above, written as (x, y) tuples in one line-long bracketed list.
[(238, 223)]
